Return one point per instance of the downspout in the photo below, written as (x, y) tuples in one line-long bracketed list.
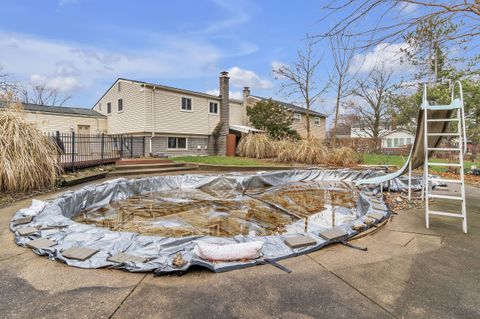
[(153, 120)]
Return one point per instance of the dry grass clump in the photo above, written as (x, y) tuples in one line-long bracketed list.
[(309, 151), (256, 145), (28, 159), (284, 150), (343, 156)]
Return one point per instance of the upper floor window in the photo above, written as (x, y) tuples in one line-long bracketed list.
[(119, 86), (109, 108), (316, 120), (186, 104), (213, 108), (120, 105), (297, 117), (177, 143), (100, 106)]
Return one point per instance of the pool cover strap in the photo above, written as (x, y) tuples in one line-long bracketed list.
[(274, 263)]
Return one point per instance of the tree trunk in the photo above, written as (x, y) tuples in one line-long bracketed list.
[(337, 108)]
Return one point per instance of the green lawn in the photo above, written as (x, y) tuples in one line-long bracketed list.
[(224, 160), (398, 160)]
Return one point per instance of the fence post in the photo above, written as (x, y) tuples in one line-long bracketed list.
[(143, 145), (103, 147), (73, 151), (131, 146), (121, 146)]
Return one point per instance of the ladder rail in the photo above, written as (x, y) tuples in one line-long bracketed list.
[(462, 148)]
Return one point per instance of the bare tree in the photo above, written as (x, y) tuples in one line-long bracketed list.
[(342, 78), (44, 95), (373, 111), (301, 78), (8, 87), (352, 13)]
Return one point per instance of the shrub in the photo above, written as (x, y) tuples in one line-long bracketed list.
[(343, 156), (284, 150), (28, 159), (309, 151), (256, 145)]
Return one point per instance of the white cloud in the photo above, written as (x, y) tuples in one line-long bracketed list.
[(389, 55), (409, 8), (240, 78), (69, 66), (233, 95)]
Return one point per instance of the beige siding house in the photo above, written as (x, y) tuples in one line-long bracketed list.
[(318, 121), (178, 122), (50, 119)]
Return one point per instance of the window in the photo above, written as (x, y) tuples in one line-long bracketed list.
[(177, 143), (395, 142), (389, 142), (316, 120), (297, 117), (409, 141), (119, 86), (120, 105), (109, 108), (401, 141), (213, 108), (100, 106), (186, 104)]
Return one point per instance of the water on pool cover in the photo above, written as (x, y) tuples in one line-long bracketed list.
[(214, 211)]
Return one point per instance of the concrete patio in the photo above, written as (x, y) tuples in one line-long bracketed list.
[(408, 272)]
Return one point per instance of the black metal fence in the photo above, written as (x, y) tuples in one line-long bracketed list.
[(86, 150)]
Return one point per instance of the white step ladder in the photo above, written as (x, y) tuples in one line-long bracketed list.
[(458, 111)]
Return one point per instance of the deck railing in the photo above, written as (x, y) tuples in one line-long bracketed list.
[(85, 150)]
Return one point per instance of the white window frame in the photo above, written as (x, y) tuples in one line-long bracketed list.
[(389, 143), (218, 107), (297, 117), (176, 143), (123, 107), (191, 104), (315, 120)]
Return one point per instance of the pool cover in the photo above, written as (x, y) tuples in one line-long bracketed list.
[(59, 236)]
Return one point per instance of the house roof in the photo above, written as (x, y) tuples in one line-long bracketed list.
[(244, 129), (67, 110), (165, 87), (291, 106)]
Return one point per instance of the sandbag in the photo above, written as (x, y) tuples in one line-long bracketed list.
[(229, 252)]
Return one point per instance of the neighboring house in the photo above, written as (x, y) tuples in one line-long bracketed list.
[(395, 139), (318, 121), (49, 119), (180, 122)]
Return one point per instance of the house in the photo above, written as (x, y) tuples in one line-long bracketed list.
[(183, 122), (64, 119), (393, 141), (317, 120)]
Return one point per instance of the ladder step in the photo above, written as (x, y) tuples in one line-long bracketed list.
[(446, 149), (445, 196), (434, 212), (443, 134), (453, 181), (443, 120), (445, 164)]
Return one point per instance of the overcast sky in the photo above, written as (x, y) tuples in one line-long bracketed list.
[(82, 46)]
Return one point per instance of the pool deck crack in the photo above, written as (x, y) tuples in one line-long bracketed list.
[(351, 286), (10, 257), (127, 296)]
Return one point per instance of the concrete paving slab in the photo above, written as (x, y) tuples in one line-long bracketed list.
[(309, 291), (123, 258), (40, 243), (22, 220), (334, 233), (25, 231), (299, 241), (79, 253)]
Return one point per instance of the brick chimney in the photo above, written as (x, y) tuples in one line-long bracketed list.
[(218, 139)]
